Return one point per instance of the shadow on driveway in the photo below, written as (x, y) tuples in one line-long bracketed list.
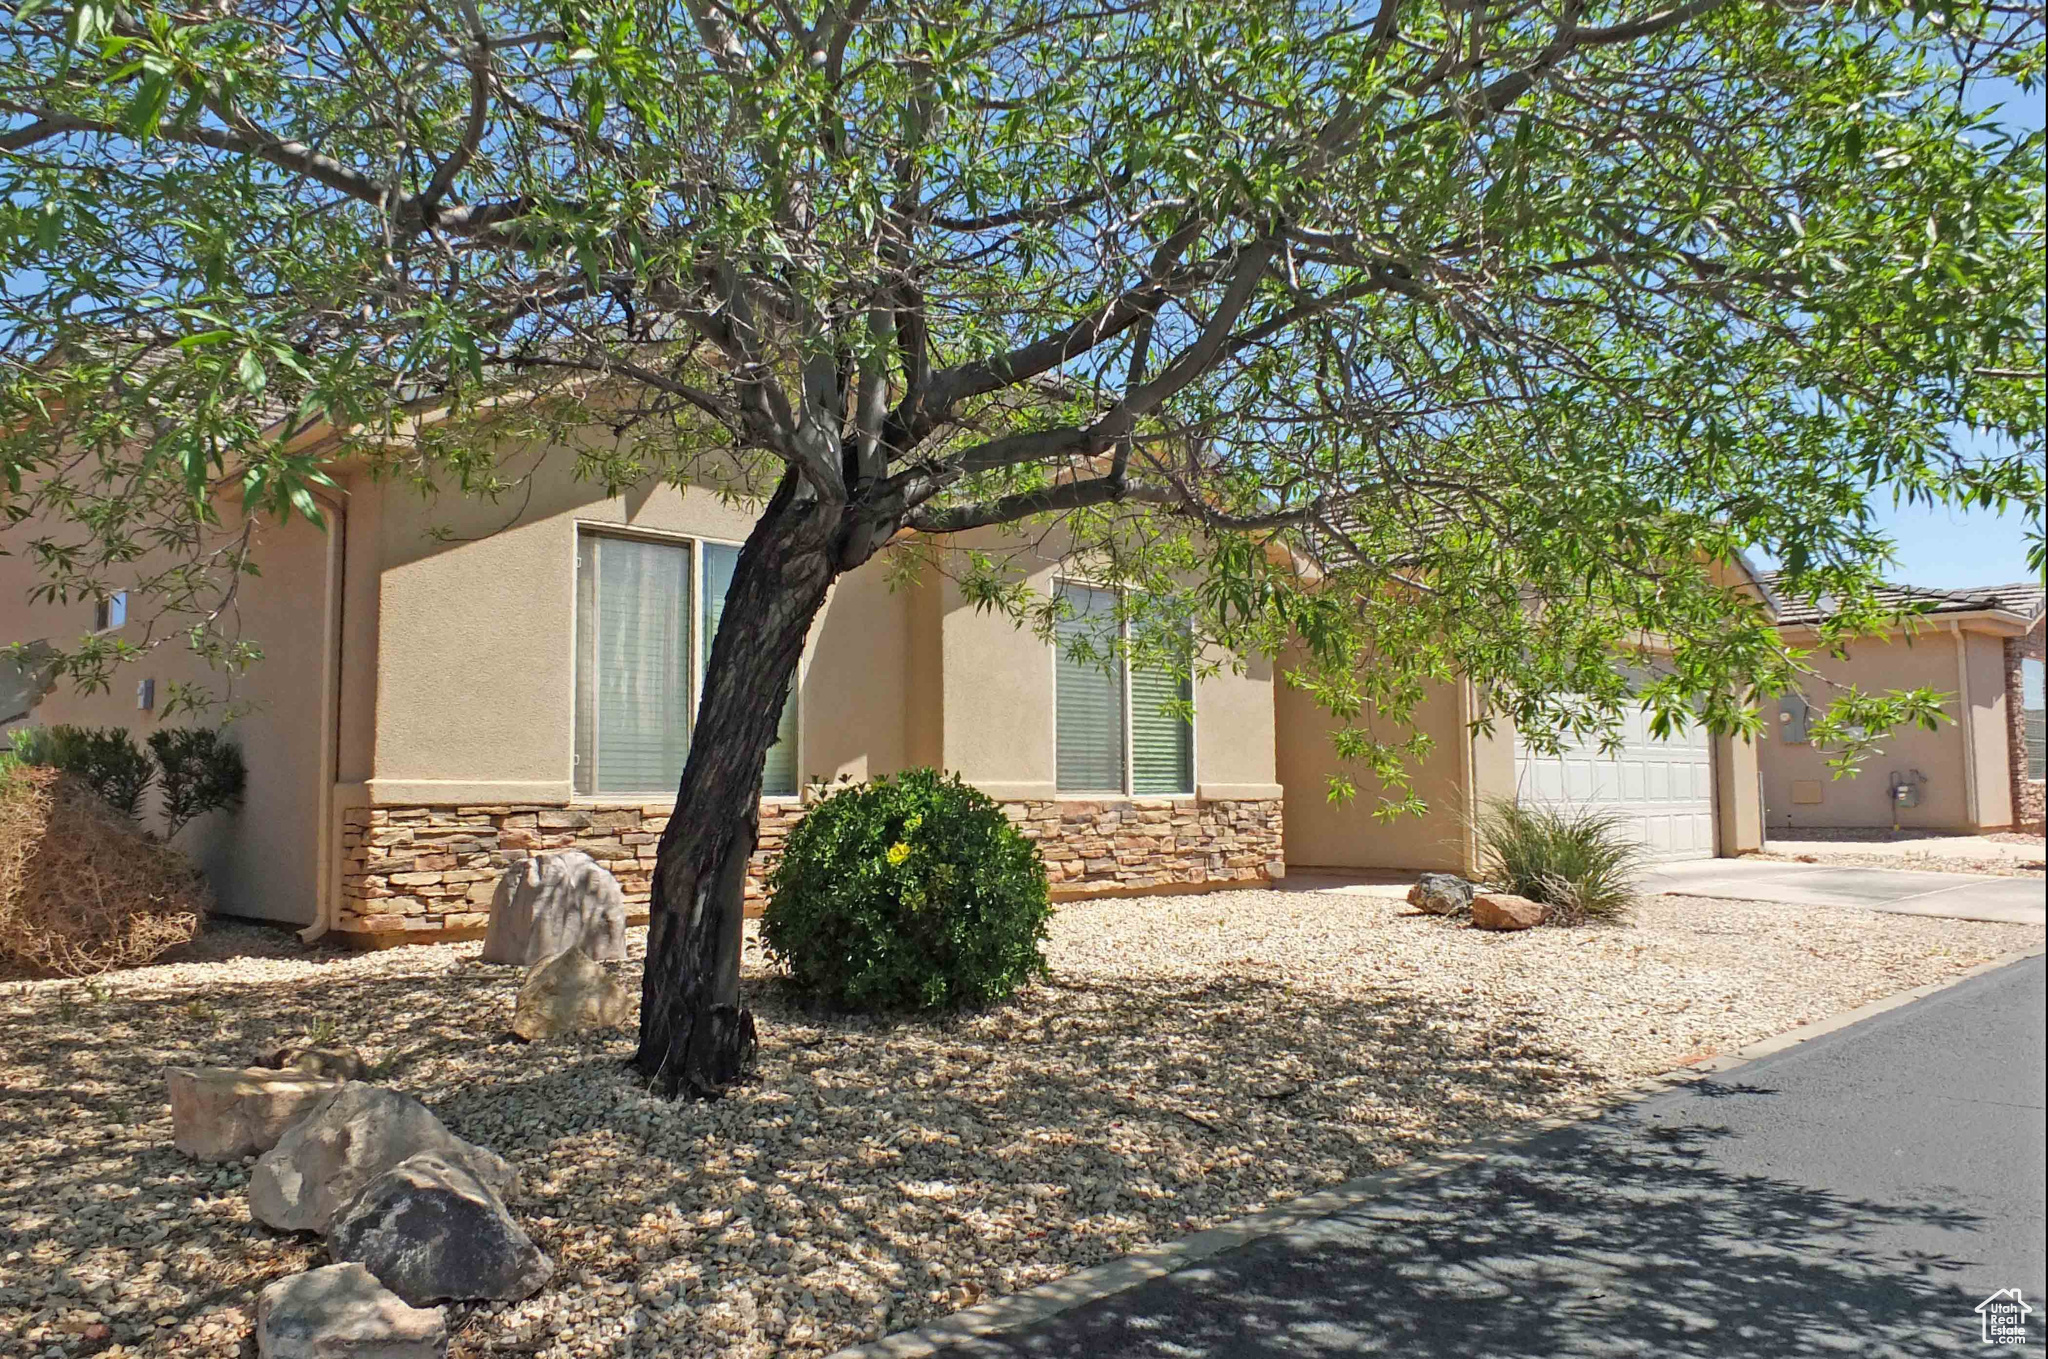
[(1859, 1194)]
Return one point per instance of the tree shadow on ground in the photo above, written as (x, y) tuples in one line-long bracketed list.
[(1591, 1242), (1060, 1129)]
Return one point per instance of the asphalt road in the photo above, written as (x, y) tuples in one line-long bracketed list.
[(1858, 1194), (1958, 896)]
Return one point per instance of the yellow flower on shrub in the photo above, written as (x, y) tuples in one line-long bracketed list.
[(898, 852)]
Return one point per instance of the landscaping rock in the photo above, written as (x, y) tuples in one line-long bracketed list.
[(569, 993), (223, 1113), (359, 1133), (1504, 911), (341, 1312), (336, 1063), (553, 902), (430, 1231), (1441, 894)]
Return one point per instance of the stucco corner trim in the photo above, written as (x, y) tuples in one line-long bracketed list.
[(1239, 792), (1026, 792), (461, 792)]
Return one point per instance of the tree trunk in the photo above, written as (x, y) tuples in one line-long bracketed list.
[(694, 1037)]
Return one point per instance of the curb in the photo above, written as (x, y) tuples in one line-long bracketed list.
[(1017, 1310)]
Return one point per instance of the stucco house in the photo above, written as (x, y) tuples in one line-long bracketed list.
[(1980, 772), (449, 684), (1692, 795)]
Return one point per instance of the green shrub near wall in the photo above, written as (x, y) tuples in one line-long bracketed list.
[(913, 892), (196, 770)]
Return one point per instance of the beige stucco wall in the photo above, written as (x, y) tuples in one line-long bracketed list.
[(474, 670), (982, 701), (1738, 797), (262, 860), (1965, 761), (1461, 771), (473, 675)]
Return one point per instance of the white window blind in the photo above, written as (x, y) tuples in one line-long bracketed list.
[(1162, 745), (1118, 729), (1089, 699), (645, 617), (778, 774), (633, 665)]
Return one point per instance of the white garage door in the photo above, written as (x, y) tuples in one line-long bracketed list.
[(1664, 788)]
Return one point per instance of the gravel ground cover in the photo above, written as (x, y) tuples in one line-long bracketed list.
[(1192, 1059), (2001, 854)]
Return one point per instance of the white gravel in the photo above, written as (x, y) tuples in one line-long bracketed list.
[(1193, 1059)]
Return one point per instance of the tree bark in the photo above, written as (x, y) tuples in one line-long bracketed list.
[(695, 1039)]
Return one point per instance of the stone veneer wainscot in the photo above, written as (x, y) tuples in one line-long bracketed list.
[(2029, 796), (433, 869)]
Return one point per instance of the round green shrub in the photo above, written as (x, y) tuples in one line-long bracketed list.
[(911, 892)]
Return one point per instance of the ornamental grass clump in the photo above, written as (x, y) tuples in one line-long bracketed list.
[(912, 892), (1582, 863)]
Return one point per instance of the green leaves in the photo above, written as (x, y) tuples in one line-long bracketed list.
[(1546, 334), (908, 893)]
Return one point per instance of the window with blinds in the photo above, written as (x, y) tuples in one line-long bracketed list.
[(645, 616), (1120, 729), (633, 673), (778, 774)]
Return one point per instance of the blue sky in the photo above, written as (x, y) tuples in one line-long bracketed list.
[(1945, 548), (1950, 549)]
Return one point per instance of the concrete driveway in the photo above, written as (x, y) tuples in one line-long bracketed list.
[(1957, 896)]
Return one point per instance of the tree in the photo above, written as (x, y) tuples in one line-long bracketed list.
[(1468, 337)]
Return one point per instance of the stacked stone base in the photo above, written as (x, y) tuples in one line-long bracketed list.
[(1107, 848), (2029, 795), (431, 870)]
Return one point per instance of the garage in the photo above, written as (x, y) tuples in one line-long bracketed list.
[(1665, 789)]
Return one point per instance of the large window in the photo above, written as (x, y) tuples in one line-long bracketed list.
[(2034, 714), (646, 612), (1121, 729)]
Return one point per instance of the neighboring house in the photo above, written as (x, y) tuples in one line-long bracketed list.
[(1980, 772), (450, 685), (1690, 796)]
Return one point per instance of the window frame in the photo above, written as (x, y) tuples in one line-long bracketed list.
[(104, 608), (1130, 760), (700, 646)]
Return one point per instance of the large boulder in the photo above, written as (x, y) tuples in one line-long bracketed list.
[(341, 1312), (431, 1232), (223, 1113), (552, 902), (569, 993), (1441, 894), (359, 1133), (1505, 911)]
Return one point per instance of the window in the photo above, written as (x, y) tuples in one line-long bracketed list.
[(645, 615), (2033, 716), (1117, 728), (110, 612), (778, 775)]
